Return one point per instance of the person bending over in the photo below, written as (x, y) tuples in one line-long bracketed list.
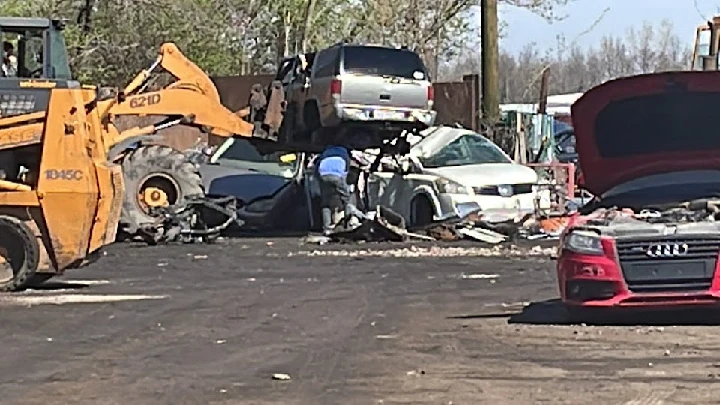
[(332, 168)]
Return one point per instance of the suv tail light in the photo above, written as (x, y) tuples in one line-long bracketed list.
[(431, 95), (335, 87)]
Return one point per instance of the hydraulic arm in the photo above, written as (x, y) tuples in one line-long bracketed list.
[(191, 100)]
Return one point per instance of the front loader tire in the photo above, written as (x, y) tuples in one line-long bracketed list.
[(19, 254), (155, 175)]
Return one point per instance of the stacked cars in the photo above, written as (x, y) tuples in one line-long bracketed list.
[(358, 95)]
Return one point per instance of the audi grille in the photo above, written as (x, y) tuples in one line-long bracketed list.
[(668, 265)]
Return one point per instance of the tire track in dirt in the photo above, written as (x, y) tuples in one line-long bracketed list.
[(125, 340), (322, 363), (317, 319), (651, 397)]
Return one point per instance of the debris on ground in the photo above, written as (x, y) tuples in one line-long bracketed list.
[(281, 377), (317, 240), (381, 225), (483, 235), (550, 227), (434, 251), (490, 228), (197, 219), (479, 276)]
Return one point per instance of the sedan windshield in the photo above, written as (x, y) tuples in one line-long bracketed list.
[(243, 154), (470, 149)]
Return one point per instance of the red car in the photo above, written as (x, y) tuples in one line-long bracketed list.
[(649, 147)]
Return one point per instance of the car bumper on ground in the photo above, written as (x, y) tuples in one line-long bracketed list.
[(587, 281)]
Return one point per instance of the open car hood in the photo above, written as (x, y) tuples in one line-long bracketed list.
[(648, 124)]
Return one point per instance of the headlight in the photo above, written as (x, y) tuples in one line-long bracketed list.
[(450, 187), (584, 242)]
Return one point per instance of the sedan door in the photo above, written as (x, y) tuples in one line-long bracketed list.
[(397, 190)]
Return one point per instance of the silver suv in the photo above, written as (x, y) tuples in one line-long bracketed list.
[(366, 94)]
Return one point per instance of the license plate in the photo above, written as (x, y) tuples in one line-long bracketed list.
[(388, 115), (666, 271)]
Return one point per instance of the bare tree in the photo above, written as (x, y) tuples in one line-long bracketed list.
[(649, 49), (249, 36)]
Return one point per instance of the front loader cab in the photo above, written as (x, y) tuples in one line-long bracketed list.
[(38, 46), (706, 46)]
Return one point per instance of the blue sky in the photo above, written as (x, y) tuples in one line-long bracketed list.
[(525, 27)]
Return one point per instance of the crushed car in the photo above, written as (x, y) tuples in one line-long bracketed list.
[(650, 238), (449, 170), (450, 173), (267, 185)]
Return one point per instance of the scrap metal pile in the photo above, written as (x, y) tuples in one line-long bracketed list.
[(383, 189), (383, 224), (197, 219)]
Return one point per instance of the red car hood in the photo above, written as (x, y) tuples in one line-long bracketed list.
[(648, 124)]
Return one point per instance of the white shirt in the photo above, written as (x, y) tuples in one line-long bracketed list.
[(10, 70)]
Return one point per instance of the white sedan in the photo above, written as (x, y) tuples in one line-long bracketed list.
[(451, 171)]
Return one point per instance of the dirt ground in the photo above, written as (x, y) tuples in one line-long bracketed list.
[(201, 324)]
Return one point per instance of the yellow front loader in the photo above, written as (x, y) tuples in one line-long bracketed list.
[(69, 177)]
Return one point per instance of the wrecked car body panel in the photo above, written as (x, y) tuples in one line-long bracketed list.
[(651, 236), (266, 186), (243, 184), (643, 270)]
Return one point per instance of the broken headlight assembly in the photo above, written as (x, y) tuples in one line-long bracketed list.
[(583, 242), (447, 186)]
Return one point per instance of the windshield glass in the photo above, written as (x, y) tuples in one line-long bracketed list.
[(383, 62), (702, 48), (25, 51), (561, 126), (565, 142), (58, 56), (471, 149), (244, 155), (22, 53)]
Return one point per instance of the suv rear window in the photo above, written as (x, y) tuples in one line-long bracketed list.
[(383, 62)]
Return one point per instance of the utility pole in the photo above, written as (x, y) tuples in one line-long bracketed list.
[(489, 61)]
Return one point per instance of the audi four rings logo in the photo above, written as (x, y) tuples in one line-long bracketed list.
[(667, 250)]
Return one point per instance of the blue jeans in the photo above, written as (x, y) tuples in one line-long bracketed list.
[(335, 196)]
